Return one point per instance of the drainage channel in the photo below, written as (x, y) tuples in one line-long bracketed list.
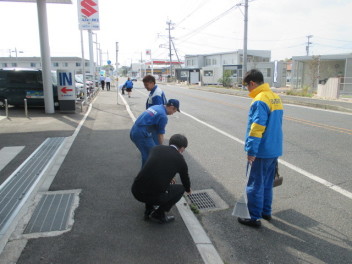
[(17, 188)]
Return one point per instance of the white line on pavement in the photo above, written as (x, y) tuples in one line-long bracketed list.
[(7, 154), (285, 163)]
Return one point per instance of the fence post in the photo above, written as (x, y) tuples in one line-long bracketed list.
[(25, 107), (6, 109)]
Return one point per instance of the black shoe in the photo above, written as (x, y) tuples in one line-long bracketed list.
[(162, 218), (147, 214), (266, 217), (249, 222)]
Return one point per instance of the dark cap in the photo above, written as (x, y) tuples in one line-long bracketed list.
[(175, 103)]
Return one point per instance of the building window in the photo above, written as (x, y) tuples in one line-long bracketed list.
[(14, 64), (33, 65), (4, 64), (188, 62), (65, 64), (208, 73), (214, 61), (184, 74), (78, 64), (208, 62), (268, 72), (86, 64), (55, 64)]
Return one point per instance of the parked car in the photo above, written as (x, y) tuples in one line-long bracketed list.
[(133, 79), (17, 84)]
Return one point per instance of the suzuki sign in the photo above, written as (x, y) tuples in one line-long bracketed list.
[(88, 14)]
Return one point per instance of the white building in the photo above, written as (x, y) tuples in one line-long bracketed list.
[(58, 63), (210, 68)]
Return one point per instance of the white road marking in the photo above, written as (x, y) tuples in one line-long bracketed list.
[(285, 163), (7, 154)]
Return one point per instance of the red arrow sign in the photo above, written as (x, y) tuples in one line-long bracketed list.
[(64, 90)]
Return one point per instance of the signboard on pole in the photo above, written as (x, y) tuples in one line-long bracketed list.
[(66, 85), (88, 14)]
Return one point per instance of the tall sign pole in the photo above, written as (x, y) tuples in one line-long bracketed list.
[(88, 18), (244, 69)]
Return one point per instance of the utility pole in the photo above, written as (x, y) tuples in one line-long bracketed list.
[(308, 43), (244, 70), (170, 55), (173, 44)]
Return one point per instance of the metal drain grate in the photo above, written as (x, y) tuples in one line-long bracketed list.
[(52, 213), (206, 200), (202, 200)]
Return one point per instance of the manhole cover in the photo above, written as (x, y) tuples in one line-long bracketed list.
[(206, 200)]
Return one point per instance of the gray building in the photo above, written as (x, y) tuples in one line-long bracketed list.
[(311, 71)]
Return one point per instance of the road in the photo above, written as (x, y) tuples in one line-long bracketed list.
[(312, 210)]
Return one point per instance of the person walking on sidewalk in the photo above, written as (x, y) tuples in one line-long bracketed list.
[(149, 128), (263, 145), (107, 82), (102, 81), (128, 85), (156, 95), (155, 184)]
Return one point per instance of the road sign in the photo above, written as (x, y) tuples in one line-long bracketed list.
[(66, 85)]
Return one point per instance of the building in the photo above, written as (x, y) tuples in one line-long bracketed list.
[(58, 63), (211, 68), (158, 67), (310, 71)]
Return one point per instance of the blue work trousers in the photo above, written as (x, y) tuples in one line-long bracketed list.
[(144, 141), (260, 187)]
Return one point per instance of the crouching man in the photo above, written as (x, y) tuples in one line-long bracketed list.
[(155, 184)]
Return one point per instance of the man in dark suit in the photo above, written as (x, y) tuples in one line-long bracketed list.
[(155, 184)]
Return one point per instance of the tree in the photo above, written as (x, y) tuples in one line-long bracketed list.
[(226, 80), (314, 70)]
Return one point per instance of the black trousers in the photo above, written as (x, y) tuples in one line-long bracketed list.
[(165, 200)]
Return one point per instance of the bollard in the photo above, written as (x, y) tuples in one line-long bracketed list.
[(25, 107), (6, 109)]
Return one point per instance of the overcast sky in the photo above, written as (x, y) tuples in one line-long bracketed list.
[(200, 27)]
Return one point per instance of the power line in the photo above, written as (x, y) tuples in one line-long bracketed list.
[(190, 34), (202, 3)]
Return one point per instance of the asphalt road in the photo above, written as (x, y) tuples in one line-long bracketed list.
[(312, 210)]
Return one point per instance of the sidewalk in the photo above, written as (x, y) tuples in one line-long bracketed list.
[(108, 222)]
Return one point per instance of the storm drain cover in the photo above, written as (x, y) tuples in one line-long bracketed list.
[(206, 200), (52, 213)]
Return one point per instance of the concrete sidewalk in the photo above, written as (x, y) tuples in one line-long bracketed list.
[(108, 223)]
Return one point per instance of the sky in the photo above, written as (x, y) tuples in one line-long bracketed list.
[(198, 27)]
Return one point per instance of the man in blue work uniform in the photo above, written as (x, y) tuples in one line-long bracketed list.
[(263, 146), (156, 95), (149, 128)]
